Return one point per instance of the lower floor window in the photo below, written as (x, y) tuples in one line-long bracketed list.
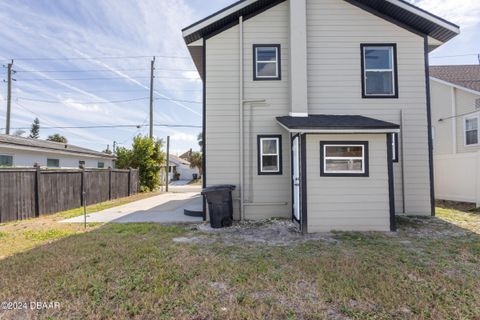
[(101, 165), (53, 163), (269, 154), (6, 161), (344, 158)]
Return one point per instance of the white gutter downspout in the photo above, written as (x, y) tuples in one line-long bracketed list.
[(242, 160)]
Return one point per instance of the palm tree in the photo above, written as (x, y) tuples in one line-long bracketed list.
[(196, 161)]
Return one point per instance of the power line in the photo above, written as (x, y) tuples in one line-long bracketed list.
[(89, 102), (98, 70), (100, 58), (105, 102), (100, 78), (138, 126)]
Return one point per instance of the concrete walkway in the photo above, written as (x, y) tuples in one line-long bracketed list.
[(164, 208)]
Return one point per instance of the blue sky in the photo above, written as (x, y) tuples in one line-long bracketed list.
[(89, 29)]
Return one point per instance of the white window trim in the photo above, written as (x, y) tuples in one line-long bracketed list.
[(392, 70), (269, 61), (468, 117), (325, 158), (277, 154)]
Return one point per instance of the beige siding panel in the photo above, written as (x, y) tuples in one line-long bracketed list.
[(222, 137), (348, 203), (335, 30), (441, 98)]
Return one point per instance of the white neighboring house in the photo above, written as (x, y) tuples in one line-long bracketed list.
[(455, 96), (25, 152), (181, 166)]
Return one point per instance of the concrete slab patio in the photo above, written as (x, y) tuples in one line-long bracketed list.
[(164, 208)]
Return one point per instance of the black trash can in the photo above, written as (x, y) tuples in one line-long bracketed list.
[(220, 205), (195, 176)]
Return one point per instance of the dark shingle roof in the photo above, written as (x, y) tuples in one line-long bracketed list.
[(334, 122), (467, 76), (398, 10), (50, 145)]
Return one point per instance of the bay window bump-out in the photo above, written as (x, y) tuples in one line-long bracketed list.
[(269, 154), (471, 130), (344, 159), (266, 62), (379, 71)]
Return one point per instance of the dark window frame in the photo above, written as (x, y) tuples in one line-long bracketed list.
[(52, 159), (279, 62), (259, 155), (366, 173), (102, 166), (395, 71)]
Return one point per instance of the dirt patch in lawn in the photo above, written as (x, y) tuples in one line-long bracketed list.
[(276, 232)]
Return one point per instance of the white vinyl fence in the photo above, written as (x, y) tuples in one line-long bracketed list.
[(457, 177)]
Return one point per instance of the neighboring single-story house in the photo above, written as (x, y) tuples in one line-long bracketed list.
[(182, 168), (455, 94), (25, 152), (319, 110)]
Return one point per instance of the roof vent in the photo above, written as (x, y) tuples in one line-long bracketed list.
[(477, 104)]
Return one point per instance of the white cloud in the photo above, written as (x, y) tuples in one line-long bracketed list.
[(465, 13)]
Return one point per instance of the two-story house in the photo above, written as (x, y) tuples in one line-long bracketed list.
[(455, 94), (319, 109)]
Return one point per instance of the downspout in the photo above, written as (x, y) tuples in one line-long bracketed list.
[(240, 105)]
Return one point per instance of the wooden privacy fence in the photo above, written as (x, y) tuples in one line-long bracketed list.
[(31, 192)]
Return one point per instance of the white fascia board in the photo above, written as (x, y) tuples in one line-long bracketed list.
[(52, 151), (217, 17), (425, 15), (455, 86), (339, 130)]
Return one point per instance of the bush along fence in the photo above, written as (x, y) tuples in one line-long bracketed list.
[(31, 192)]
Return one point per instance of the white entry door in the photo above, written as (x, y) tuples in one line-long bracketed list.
[(296, 177)]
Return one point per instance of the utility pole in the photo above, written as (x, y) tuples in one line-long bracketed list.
[(9, 97), (168, 163), (152, 69), (114, 146)]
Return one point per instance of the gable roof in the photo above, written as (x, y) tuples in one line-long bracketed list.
[(398, 10), (50, 146), (466, 76), (178, 160)]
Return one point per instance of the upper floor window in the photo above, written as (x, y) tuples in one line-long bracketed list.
[(269, 155), (6, 161), (266, 62), (471, 130), (379, 71)]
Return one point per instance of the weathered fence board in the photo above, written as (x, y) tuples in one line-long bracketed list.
[(28, 193), (119, 184)]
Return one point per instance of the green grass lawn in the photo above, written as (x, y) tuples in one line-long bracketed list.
[(429, 269)]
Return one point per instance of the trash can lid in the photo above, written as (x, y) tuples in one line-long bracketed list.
[(220, 187)]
